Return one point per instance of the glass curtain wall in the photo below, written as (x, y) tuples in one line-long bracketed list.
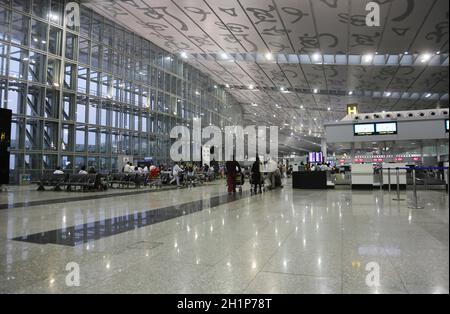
[(87, 95)]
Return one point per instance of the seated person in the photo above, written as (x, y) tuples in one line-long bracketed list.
[(83, 170), (58, 171)]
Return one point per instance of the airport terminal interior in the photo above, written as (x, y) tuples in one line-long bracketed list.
[(237, 146)]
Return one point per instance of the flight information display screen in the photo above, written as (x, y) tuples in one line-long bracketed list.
[(364, 129), (386, 128)]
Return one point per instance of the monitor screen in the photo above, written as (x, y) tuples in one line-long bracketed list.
[(364, 129), (386, 128), (315, 157)]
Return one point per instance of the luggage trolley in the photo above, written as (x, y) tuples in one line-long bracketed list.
[(239, 181)]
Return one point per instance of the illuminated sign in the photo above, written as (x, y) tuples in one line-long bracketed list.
[(382, 128), (352, 109), (386, 128), (364, 129), (446, 125)]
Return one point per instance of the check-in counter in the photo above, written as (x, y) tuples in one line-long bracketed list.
[(362, 176), (309, 180)]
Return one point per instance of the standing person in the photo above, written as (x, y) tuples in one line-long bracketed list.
[(176, 172), (272, 168), (256, 174), (233, 168)]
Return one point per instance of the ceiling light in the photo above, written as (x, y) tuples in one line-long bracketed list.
[(282, 89), (350, 93), (215, 86), (223, 55), (184, 55), (315, 90), (329, 108), (428, 95), (316, 56), (388, 94), (425, 57), (406, 52), (367, 58), (301, 107), (255, 105), (269, 56), (227, 85), (274, 116), (438, 52), (250, 86)]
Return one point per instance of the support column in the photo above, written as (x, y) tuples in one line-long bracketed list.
[(323, 144)]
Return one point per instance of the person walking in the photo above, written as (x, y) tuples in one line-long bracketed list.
[(233, 168)]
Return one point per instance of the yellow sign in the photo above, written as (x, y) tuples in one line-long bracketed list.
[(352, 109)]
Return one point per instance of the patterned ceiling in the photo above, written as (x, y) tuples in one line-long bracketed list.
[(206, 29)]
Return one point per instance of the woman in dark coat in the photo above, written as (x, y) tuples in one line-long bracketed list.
[(256, 174), (233, 168)]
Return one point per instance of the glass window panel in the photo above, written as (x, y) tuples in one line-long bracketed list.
[(50, 135), (55, 41), (71, 46), (41, 8), (51, 104), (18, 62), (85, 21), (67, 135), (96, 27), (56, 12), (92, 141), (70, 71), (96, 56), (94, 86), (68, 106), (16, 96), (38, 35), (82, 83), (81, 111), (36, 67), (66, 162), (21, 5), (83, 52), (53, 68), (5, 15), (80, 139), (33, 135), (93, 113), (35, 98), (19, 29), (79, 162)]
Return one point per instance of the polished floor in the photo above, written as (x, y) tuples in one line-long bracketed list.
[(201, 240)]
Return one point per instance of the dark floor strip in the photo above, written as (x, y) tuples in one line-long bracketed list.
[(85, 197), (75, 235)]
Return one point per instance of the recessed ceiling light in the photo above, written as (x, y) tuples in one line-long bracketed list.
[(350, 93), (227, 85), (406, 52), (367, 58), (254, 105), (315, 90), (428, 95), (329, 108), (425, 57), (250, 86), (388, 94), (282, 88), (438, 52), (223, 55), (269, 56), (184, 55)]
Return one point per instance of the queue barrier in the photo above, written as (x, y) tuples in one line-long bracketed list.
[(413, 169)]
